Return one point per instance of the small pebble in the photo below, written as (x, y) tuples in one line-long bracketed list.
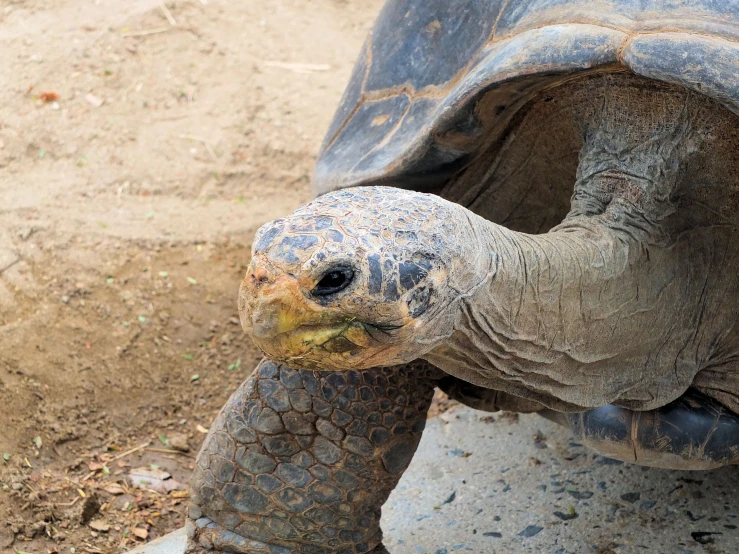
[(94, 101), (530, 531), (178, 441), (631, 497), (579, 495), (703, 537)]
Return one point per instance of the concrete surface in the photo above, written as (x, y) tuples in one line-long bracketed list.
[(498, 485), (174, 543)]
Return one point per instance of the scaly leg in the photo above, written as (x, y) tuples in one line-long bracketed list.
[(302, 461), (692, 432)]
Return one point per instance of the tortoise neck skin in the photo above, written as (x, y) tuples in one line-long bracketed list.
[(622, 302), (584, 316)]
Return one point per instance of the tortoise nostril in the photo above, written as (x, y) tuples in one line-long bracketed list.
[(259, 275)]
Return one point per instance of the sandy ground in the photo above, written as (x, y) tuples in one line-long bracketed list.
[(140, 148), (137, 158)]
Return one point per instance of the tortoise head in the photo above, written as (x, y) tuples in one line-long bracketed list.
[(350, 280)]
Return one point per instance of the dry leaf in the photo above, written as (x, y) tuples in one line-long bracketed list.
[(48, 97), (154, 479), (114, 489), (140, 533), (99, 525)]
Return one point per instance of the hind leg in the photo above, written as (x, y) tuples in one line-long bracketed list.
[(692, 432), (302, 461)]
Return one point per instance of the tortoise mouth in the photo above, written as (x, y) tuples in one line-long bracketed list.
[(344, 345), (314, 342)]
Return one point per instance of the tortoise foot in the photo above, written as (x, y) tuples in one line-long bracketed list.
[(204, 537), (241, 545)]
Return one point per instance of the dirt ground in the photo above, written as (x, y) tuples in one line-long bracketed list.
[(141, 145)]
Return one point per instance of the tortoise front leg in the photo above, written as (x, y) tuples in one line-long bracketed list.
[(302, 461)]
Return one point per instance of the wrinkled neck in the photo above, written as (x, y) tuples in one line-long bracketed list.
[(539, 288), (586, 316), (525, 323)]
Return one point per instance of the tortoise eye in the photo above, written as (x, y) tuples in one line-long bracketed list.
[(335, 280)]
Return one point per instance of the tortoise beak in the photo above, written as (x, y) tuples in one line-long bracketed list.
[(270, 301)]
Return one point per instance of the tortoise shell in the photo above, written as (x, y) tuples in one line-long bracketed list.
[(436, 80)]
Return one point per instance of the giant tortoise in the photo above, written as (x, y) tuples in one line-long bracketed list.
[(531, 204)]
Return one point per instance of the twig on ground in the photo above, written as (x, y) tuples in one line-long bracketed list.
[(11, 264), (127, 452), (62, 504), (167, 13), (146, 32), (56, 451), (168, 451), (299, 67), (137, 87)]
